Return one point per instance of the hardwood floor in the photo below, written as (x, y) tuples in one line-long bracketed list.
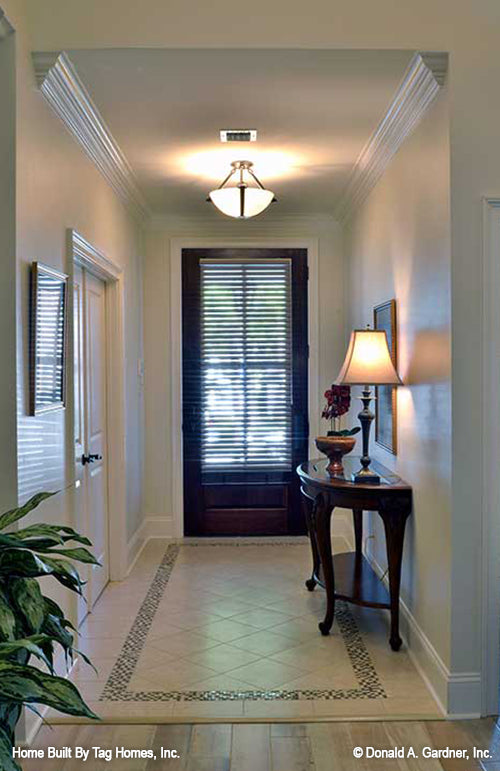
[(275, 747)]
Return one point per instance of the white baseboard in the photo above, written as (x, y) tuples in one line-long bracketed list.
[(159, 527), (151, 527), (458, 694), (163, 527), (135, 546), (464, 695)]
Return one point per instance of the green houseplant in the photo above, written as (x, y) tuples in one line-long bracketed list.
[(31, 624)]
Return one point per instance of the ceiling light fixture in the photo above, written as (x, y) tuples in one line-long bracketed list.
[(241, 201)]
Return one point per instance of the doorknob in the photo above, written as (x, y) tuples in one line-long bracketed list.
[(90, 458)]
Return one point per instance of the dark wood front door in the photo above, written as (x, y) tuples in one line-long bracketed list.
[(245, 401)]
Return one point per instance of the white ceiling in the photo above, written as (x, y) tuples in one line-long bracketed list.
[(314, 111)]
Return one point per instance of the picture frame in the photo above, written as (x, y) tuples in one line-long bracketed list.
[(48, 339), (386, 435)]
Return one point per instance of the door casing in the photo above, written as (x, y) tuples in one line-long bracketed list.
[(83, 253), (92, 513), (176, 247), (264, 510)]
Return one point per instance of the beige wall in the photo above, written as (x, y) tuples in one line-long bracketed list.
[(159, 368), (8, 434), (59, 188), (398, 245)]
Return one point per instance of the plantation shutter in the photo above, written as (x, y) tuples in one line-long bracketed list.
[(246, 364)]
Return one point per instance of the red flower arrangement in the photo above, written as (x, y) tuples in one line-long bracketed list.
[(338, 402)]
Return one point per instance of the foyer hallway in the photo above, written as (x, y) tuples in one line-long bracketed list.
[(211, 630)]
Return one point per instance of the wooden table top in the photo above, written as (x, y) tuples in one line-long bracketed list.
[(314, 471)]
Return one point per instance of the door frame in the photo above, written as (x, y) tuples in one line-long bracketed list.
[(176, 247), (490, 504), (83, 253)]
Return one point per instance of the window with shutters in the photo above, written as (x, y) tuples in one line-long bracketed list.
[(246, 364)]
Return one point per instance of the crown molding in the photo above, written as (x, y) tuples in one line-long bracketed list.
[(6, 27), (421, 83), (60, 84)]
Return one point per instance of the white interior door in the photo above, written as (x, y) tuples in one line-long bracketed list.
[(91, 426)]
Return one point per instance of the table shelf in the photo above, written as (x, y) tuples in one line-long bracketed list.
[(357, 582)]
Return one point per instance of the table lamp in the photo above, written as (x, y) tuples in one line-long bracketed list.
[(367, 360)]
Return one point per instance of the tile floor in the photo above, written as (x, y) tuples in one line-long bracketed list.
[(229, 631)]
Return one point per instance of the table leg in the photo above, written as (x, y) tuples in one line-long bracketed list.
[(310, 515), (323, 517), (357, 516), (394, 519)]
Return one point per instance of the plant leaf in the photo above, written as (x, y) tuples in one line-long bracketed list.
[(7, 762), (65, 573), (86, 660), (61, 532), (30, 645), (29, 685), (47, 646), (72, 535), (9, 541), (80, 554), (23, 563), (52, 607), (28, 600), (7, 620), (9, 716), (55, 627), (15, 514), (38, 544)]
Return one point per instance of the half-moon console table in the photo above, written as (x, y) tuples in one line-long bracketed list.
[(349, 576)]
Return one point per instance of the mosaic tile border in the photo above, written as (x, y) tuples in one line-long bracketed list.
[(116, 686)]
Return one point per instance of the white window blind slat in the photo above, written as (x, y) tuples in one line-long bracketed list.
[(246, 364)]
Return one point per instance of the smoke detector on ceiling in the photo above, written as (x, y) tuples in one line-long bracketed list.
[(238, 135)]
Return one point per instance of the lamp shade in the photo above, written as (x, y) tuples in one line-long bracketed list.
[(368, 360), (241, 202)]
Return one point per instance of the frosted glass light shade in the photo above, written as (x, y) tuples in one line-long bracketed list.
[(241, 202), (368, 360)]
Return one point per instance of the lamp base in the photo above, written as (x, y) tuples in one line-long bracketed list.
[(365, 476)]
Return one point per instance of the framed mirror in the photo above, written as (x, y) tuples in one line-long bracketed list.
[(48, 319)]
